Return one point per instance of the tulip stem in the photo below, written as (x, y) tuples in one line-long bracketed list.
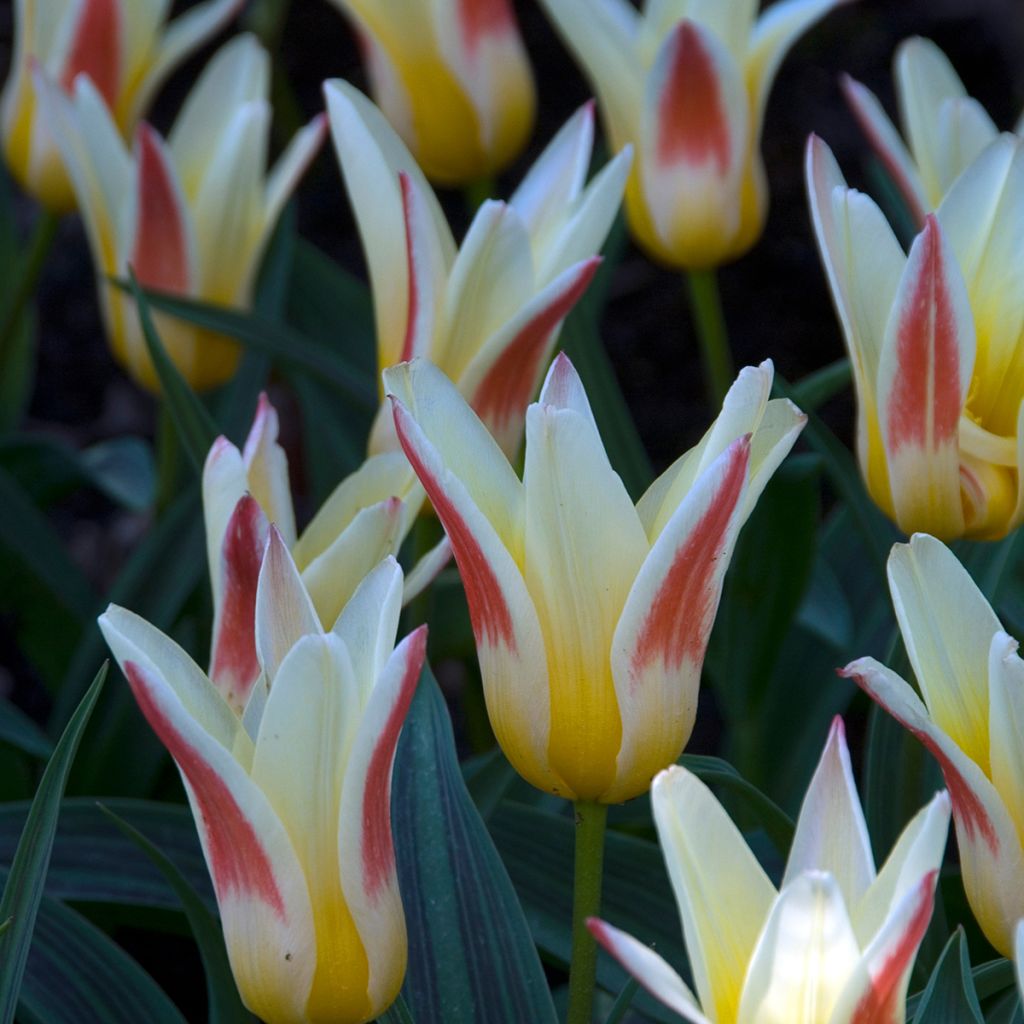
[(478, 192), (24, 285), (709, 321), (586, 902)]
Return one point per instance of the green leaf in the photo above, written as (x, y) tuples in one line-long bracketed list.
[(24, 887), (537, 848), (993, 977), (623, 1002), (488, 778), (286, 345), (949, 997), (17, 729), (397, 1013), (123, 469), (27, 533), (471, 960), (76, 974), (224, 1001), (195, 425), (92, 862), (814, 390)]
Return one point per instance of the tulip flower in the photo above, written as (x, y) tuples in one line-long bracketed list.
[(944, 127), (366, 518), (291, 796), (591, 616), (192, 215), (835, 944), (934, 339), (687, 85), (971, 719), (124, 48), (489, 312), (452, 77)]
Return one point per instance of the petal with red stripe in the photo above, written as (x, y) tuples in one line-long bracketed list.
[(425, 271), (96, 48), (924, 373), (266, 467)]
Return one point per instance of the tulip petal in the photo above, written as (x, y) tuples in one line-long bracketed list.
[(888, 146), (186, 33), (1006, 724), (266, 468), (371, 155), (918, 851), (302, 754), (583, 547), (95, 48), (724, 896), (284, 610), (947, 626), (982, 216), (803, 956), (224, 484), (876, 993), (923, 376), (775, 32), (291, 165), (369, 621), (694, 143), (262, 896), (234, 666), (482, 514), (556, 178), (365, 848), (831, 833), (863, 263), (426, 272), (659, 642), (925, 80), (604, 35), (491, 279), (504, 374), (237, 74), (1018, 955), (649, 969), (332, 577), (991, 857), (426, 570)]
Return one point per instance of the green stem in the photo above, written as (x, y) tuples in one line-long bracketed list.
[(168, 458), (586, 902), (709, 321), (24, 287), (477, 192)]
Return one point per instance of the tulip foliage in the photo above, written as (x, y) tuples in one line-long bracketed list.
[(468, 663)]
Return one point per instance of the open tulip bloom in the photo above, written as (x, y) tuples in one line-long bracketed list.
[(489, 312), (591, 616), (122, 46), (935, 342), (453, 77), (687, 84), (191, 216), (365, 519), (291, 796), (835, 944), (944, 128), (971, 719)]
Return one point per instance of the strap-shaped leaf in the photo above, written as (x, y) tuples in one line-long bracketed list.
[(471, 959), (24, 888), (949, 997), (17, 729)]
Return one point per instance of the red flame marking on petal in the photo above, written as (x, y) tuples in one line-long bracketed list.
[(378, 851), (693, 123), (683, 610), (928, 357), (238, 862), (492, 620), (480, 18), (96, 49)]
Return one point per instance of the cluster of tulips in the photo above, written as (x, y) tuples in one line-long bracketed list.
[(591, 614)]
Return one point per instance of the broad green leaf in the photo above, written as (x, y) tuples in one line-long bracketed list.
[(92, 862), (225, 1004), (537, 848), (397, 1013), (814, 390), (488, 778), (471, 958), (993, 977), (123, 469), (949, 997), (76, 974), (17, 729), (195, 425), (26, 533), (24, 887)]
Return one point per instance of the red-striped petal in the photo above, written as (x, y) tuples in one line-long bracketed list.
[(96, 49)]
